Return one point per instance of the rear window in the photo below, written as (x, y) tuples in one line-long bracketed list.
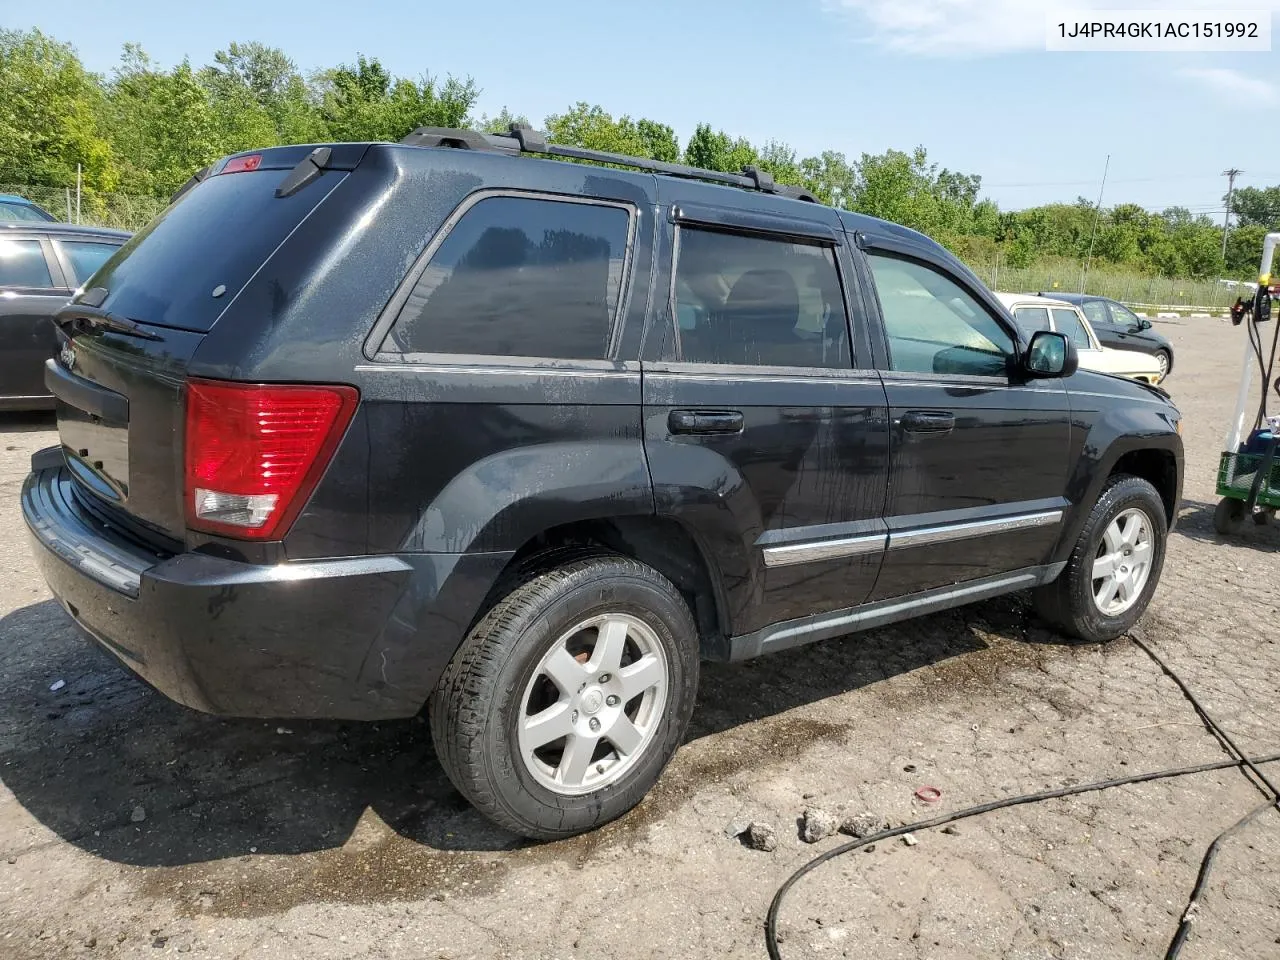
[(520, 277), (216, 236)]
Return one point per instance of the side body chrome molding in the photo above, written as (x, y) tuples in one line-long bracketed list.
[(795, 633), (787, 554), (791, 553), (974, 528)]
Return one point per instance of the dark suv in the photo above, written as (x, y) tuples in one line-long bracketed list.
[(41, 264), (354, 429)]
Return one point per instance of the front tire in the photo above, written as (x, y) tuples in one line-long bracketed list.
[(1115, 566), (566, 701)]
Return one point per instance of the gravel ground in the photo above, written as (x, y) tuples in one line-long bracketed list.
[(130, 826)]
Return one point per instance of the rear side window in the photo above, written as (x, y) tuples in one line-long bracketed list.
[(1031, 319), (85, 257), (1067, 322), (756, 301), (22, 264), (520, 277)]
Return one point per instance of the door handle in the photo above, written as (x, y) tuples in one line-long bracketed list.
[(705, 421), (928, 421)]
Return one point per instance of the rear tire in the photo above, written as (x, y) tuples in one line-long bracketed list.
[(566, 701), (1115, 566)]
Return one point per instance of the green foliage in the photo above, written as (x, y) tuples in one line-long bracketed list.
[(716, 150), (260, 99), (1257, 207), (163, 126), (49, 115), (145, 130), (500, 123), (364, 102), (590, 127)]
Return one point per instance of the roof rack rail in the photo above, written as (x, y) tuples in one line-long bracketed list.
[(523, 139)]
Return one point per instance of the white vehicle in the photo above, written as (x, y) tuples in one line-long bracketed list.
[(1043, 313)]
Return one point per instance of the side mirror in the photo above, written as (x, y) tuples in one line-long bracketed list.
[(1144, 323), (1051, 355)]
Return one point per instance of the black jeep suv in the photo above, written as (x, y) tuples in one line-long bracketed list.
[(354, 429)]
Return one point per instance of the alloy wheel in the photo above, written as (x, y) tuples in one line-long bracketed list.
[(1122, 564), (593, 704)]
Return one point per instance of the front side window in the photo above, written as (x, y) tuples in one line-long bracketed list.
[(520, 277), (1068, 322), (1124, 317), (22, 264), (86, 256), (757, 301), (934, 325), (1031, 319), (1096, 311)]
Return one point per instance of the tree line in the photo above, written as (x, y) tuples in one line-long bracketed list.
[(143, 129)]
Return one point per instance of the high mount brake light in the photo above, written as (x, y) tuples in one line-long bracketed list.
[(254, 452), (244, 164)]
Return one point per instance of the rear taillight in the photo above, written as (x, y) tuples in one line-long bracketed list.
[(254, 452)]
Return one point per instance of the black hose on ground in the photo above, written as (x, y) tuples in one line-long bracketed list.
[(1240, 761)]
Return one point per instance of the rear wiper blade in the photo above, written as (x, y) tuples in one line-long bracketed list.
[(95, 316)]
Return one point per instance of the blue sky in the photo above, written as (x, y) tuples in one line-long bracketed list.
[(968, 79)]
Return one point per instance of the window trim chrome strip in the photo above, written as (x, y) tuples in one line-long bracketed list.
[(902, 539), (789, 554)]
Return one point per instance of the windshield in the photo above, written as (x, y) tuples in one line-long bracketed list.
[(11, 212)]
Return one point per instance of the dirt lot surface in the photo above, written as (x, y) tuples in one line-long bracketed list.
[(131, 827)]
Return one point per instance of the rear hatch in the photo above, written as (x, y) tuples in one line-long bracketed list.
[(127, 339)]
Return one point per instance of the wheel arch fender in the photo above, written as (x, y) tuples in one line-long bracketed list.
[(1140, 440), (500, 502)]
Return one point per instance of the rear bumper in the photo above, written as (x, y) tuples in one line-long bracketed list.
[(358, 638)]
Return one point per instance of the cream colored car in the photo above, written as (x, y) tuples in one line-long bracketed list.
[(1042, 313)]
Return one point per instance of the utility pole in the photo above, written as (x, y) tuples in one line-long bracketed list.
[(1226, 219), (1097, 214)]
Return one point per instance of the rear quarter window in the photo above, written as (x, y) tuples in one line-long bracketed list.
[(520, 277)]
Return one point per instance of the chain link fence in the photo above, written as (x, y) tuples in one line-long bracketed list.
[(1134, 289), (124, 211)]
